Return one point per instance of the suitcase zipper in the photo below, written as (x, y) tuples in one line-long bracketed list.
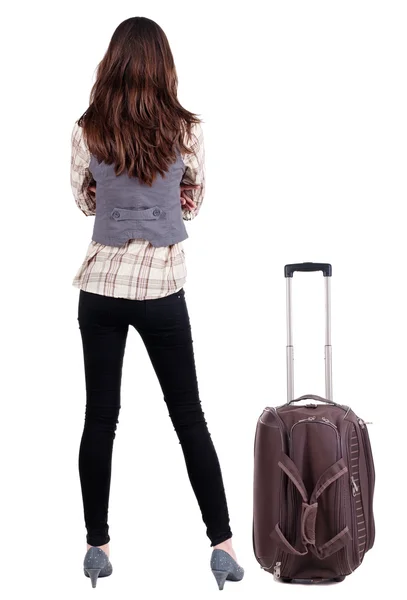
[(306, 419), (323, 421), (355, 487), (345, 559), (367, 451), (355, 536), (277, 570), (340, 500)]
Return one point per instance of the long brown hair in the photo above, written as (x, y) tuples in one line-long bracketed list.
[(134, 119)]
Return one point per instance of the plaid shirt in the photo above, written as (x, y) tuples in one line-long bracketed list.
[(137, 270)]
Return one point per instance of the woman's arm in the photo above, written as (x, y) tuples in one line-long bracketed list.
[(195, 172), (81, 177)]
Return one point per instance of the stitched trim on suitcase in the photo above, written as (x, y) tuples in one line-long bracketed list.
[(354, 471)]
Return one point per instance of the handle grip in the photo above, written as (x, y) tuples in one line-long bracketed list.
[(308, 267), (313, 397)]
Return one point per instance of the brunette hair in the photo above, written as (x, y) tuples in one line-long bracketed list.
[(134, 119)]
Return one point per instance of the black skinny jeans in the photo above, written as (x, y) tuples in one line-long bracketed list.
[(164, 327)]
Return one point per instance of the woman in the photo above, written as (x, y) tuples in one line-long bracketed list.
[(137, 155)]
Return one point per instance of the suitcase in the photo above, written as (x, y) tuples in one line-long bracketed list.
[(314, 476)]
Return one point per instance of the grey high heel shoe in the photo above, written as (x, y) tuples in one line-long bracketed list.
[(96, 564), (224, 567)]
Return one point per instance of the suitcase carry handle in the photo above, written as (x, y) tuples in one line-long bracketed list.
[(313, 397), (308, 267), (326, 268)]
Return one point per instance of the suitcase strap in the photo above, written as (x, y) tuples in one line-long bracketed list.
[(310, 508)]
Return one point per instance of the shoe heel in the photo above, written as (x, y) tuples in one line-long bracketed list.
[(93, 574), (220, 577)]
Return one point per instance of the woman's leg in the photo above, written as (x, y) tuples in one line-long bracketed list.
[(166, 332), (104, 340)]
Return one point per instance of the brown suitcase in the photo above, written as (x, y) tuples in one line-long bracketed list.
[(314, 477)]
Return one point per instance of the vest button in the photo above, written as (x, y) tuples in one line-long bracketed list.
[(116, 214), (156, 212)]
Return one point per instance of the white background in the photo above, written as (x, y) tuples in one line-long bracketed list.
[(304, 108)]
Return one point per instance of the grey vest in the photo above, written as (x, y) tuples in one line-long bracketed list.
[(127, 208)]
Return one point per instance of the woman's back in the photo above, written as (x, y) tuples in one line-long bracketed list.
[(136, 269)]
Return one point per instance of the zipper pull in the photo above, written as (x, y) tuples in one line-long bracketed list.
[(277, 570), (354, 486), (325, 420), (363, 423), (306, 419)]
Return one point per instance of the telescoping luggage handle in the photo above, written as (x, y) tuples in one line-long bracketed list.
[(289, 271)]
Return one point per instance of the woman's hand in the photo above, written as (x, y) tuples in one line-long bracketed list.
[(186, 202)]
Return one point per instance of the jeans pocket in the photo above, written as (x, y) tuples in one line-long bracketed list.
[(170, 298), (168, 311)]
